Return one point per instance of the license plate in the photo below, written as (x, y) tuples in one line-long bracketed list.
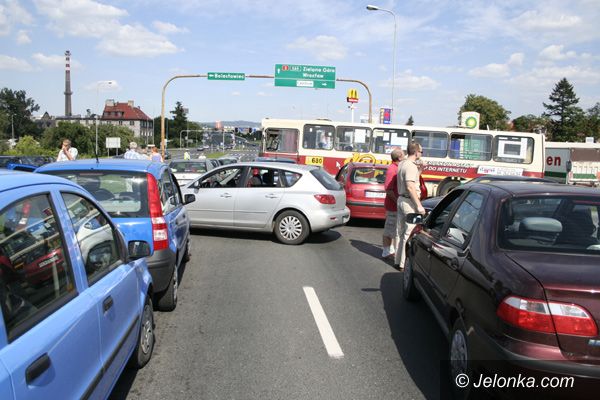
[(375, 195)]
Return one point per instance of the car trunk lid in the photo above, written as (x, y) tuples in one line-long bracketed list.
[(568, 279)]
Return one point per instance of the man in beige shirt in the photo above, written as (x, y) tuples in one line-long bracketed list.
[(408, 199)]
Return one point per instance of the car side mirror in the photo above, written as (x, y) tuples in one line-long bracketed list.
[(414, 218), (189, 198), (138, 249)]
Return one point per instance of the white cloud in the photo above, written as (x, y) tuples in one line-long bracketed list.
[(516, 59), (23, 37), (235, 93), (136, 41), (546, 20), (495, 70), (88, 18), (12, 13), (54, 61), (322, 47), (408, 81), (491, 71), (166, 28), (12, 63), (555, 53), (263, 94), (548, 76), (83, 18), (104, 86)]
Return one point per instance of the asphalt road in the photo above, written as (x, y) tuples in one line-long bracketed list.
[(244, 329)]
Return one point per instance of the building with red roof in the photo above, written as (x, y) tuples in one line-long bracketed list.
[(130, 116)]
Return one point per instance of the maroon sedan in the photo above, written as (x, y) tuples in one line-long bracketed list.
[(364, 186), (511, 271)]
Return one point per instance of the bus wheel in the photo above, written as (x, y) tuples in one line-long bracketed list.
[(446, 187)]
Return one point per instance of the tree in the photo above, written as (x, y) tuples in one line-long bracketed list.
[(19, 109), (531, 123), (84, 138), (592, 122), (179, 123), (410, 121), (4, 124), (28, 146), (492, 114), (566, 117)]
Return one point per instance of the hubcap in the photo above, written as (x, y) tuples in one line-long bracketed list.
[(147, 336), (290, 228), (458, 353)]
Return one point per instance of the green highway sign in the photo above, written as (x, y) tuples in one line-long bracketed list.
[(310, 76), (226, 76), (305, 83)]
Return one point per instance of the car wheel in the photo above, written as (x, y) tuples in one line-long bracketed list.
[(145, 344), (409, 291), (291, 227), (167, 300), (460, 371)]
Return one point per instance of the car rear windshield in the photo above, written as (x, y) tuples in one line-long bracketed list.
[(325, 179), (123, 194), (189, 167), (368, 175), (551, 224)]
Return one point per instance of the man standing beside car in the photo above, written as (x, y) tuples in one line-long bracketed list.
[(408, 199), (390, 229)]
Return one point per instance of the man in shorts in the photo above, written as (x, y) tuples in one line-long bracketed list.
[(390, 229), (408, 199)]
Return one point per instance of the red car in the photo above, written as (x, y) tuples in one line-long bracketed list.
[(364, 186)]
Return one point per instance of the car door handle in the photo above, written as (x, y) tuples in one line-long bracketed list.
[(107, 303), (271, 196), (37, 368), (226, 195)]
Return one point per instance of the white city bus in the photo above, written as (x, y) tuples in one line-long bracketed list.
[(452, 155)]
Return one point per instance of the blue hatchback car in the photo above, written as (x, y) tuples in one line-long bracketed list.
[(144, 200), (75, 299)]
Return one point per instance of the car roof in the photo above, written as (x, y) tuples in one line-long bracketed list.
[(521, 188), (364, 164), (510, 178), (104, 164), (273, 164), (15, 179)]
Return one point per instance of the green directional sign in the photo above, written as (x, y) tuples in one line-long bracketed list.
[(309, 76), (226, 76)]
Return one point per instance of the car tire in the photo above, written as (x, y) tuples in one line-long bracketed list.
[(145, 343), (409, 291), (187, 255), (458, 356), (291, 228), (167, 300)]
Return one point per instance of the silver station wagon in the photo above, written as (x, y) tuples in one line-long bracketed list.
[(289, 200)]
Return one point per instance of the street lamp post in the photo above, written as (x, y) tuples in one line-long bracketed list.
[(375, 8), (97, 92)]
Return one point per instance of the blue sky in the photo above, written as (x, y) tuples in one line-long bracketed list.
[(511, 51)]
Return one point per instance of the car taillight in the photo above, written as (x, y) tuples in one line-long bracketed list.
[(325, 198), (160, 233), (549, 317)]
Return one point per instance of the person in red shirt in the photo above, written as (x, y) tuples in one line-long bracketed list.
[(390, 229)]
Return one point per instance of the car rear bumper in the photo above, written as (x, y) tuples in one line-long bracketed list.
[(327, 219), (361, 209), (160, 265), (511, 358)]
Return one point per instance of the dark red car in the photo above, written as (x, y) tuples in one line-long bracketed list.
[(365, 192), (511, 271)]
